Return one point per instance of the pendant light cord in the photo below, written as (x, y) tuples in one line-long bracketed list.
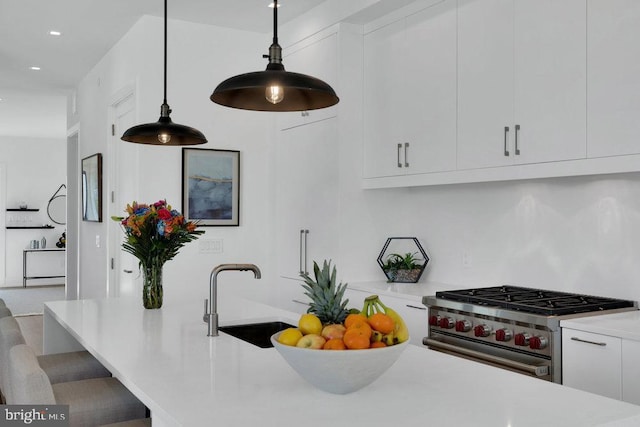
[(275, 21), (165, 51)]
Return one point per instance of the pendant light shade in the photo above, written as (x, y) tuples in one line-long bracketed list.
[(164, 131), (274, 89)]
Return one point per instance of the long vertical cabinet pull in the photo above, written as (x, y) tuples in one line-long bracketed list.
[(506, 140), (300, 261), (399, 149), (516, 140), (306, 236), (406, 154)]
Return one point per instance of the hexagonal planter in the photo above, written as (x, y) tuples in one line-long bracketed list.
[(403, 259)]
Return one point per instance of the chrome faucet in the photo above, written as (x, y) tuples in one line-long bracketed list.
[(211, 305)]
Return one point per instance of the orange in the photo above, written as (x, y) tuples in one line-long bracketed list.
[(354, 317), (362, 328), (378, 344), (334, 344), (355, 340), (382, 323)]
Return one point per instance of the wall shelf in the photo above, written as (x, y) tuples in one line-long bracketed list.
[(22, 210), (33, 227)]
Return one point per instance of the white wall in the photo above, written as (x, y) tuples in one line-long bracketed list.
[(200, 57), (35, 168), (575, 234)]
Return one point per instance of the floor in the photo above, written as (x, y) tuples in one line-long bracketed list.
[(32, 327)]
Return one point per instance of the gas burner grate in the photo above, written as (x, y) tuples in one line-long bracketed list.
[(538, 301)]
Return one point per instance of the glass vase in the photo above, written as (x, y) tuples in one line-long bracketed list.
[(152, 286)]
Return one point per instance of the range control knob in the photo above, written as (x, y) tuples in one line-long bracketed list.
[(522, 339), (503, 335), (538, 343), (446, 323), (482, 331), (463, 326), (434, 320)]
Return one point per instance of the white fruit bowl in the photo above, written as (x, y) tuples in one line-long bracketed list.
[(339, 371)]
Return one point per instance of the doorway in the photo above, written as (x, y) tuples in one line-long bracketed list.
[(124, 276), (72, 254)]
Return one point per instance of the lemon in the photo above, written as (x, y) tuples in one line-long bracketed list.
[(290, 336), (310, 324)]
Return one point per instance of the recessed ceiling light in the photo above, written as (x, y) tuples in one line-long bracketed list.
[(34, 68), (55, 33)]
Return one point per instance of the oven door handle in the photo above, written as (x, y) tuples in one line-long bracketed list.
[(538, 371)]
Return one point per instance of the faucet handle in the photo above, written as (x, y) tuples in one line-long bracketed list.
[(205, 317)]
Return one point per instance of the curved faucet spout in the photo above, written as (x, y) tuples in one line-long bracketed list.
[(211, 315)]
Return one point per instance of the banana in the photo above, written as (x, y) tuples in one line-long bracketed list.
[(401, 332), (372, 304), (376, 336), (389, 339)]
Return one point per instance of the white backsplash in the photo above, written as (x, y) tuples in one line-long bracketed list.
[(574, 234)]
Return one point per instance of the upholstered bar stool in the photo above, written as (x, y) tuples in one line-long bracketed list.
[(4, 311), (92, 402), (61, 367)]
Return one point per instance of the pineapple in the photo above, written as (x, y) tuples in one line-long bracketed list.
[(326, 298)]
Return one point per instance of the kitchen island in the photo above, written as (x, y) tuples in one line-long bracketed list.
[(188, 379)]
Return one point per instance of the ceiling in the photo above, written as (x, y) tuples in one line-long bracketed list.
[(34, 102)]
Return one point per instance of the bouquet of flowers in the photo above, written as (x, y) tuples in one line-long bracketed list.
[(154, 234)]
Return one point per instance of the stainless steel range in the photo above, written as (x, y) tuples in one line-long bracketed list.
[(511, 327)]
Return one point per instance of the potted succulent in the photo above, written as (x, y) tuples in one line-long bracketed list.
[(399, 262), (403, 268)]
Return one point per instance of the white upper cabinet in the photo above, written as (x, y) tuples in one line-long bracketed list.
[(410, 94), (613, 64), (485, 82), (317, 57), (521, 82)]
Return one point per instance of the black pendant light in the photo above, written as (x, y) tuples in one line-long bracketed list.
[(164, 131), (274, 89)]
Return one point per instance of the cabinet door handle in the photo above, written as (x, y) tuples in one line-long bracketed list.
[(416, 307), (306, 234), (601, 344), (506, 140), (399, 148), (516, 140), (406, 154), (301, 248), (128, 271)]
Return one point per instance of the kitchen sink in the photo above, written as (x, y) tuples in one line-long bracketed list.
[(258, 334)]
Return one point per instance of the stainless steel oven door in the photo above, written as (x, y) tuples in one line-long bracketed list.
[(523, 363)]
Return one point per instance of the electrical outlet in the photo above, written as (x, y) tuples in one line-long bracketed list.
[(210, 246), (97, 240), (467, 261)]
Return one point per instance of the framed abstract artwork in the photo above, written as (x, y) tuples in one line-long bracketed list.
[(92, 188), (211, 186)]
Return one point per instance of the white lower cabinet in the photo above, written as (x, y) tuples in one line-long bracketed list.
[(412, 311), (631, 371), (592, 362)]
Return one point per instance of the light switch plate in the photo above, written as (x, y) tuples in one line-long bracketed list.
[(210, 246)]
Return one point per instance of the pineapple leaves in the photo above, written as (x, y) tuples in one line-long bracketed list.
[(326, 297)]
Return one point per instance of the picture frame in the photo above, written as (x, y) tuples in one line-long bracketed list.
[(92, 188), (211, 186)]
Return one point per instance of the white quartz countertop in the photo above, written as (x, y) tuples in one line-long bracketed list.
[(408, 291), (622, 325), (186, 378)]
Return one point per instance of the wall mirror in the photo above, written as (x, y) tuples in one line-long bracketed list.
[(57, 206), (92, 188)]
